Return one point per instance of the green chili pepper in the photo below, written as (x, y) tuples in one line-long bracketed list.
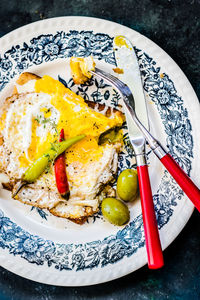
[(40, 164)]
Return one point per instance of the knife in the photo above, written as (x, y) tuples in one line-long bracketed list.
[(130, 74), (182, 179)]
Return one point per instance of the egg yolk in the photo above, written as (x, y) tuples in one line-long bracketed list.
[(76, 118), (121, 41)]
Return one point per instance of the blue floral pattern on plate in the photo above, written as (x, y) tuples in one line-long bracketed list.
[(177, 126)]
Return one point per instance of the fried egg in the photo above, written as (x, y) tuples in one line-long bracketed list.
[(31, 120)]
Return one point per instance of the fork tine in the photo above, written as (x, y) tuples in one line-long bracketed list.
[(121, 86), (124, 89)]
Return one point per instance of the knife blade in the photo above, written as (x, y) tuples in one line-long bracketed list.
[(130, 74), (127, 61)]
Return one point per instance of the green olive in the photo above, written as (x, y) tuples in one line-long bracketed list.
[(127, 185), (115, 211)]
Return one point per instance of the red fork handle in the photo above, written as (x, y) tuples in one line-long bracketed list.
[(186, 184), (153, 246)]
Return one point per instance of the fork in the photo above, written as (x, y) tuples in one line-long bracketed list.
[(183, 180)]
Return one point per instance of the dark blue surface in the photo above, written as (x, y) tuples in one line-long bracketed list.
[(174, 26)]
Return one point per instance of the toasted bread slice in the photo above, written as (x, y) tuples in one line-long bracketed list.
[(42, 197)]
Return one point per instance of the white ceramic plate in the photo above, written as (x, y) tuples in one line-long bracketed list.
[(50, 250)]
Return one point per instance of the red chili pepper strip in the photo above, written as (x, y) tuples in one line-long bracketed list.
[(60, 172)]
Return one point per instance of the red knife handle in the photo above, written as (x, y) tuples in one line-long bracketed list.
[(153, 246), (186, 184)]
